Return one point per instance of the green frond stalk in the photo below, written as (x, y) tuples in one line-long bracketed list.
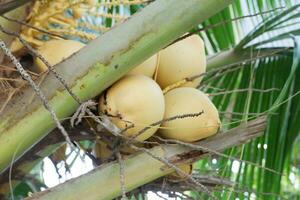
[(141, 168), (235, 57)]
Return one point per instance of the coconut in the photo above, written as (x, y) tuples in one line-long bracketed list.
[(104, 151), (135, 100), (181, 60), (187, 100), (186, 168), (147, 68), (54, 51), (60, 154)]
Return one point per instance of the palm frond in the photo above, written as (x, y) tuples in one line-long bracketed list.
[(276, 71)]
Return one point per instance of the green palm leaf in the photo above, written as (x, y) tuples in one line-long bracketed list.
[(263, 83)]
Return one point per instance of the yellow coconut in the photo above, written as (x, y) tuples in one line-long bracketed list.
[(186, 168), (183, 59), (54, 51), (187, 100), (147, 68), (102, 151), (60, 154), (134, 100)]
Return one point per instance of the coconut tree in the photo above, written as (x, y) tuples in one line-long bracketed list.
[(252, 71)]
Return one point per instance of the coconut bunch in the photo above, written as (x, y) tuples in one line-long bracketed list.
[(158, 97), (161, 88)]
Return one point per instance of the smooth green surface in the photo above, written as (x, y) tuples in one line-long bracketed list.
[(104, 182)]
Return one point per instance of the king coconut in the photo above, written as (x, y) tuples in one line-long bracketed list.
[(133, 103)]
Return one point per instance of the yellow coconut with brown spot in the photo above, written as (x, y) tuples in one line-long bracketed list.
[(183, 59), (55, 51), (147, 68), (185, 100), (135, 101), (187, 169)]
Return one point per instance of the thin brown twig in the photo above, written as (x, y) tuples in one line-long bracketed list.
[(11, 94), (189, 115), (178, 170), (214, 180), (207, 180), (237, 190), (5, 90), (11, 79), (244, 90), (79, 114), (202, 148), (241, 113), (225, 22), (6, 68), (215, 88), (220, 71)]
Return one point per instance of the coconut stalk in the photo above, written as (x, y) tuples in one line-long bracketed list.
[(96, 67), (141, 168)]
